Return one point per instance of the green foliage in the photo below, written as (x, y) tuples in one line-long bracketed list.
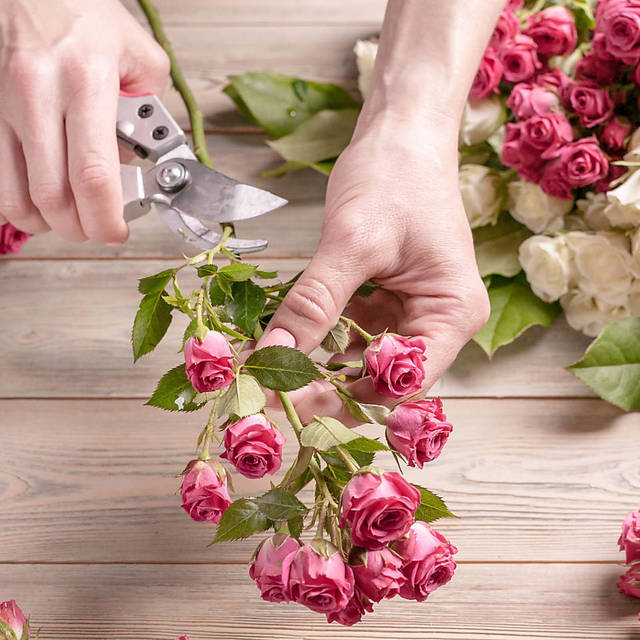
[(611, 364), (174, 392), (246, 305), (337, 340), (155, 284), (242, 519), (151, 322), (244, 397), (238, 272), (207, 270), (281, 368), (323, 434), (279, 504), (216, 295), (432, 507), (371, 413), (295, 526), (497, 246)]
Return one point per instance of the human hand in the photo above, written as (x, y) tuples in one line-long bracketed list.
[(393, 215), (61, 67)]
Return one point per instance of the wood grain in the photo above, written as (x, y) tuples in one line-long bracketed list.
[(68, 330), (483, 602), (94, 481)]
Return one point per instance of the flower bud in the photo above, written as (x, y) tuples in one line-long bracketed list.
[(12, 621), (209, 363), (204, 491)]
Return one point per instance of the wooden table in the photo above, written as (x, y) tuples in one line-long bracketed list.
[(92, 540)]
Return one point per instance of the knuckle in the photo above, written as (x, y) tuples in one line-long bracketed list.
[(159, 60), (50, 197), (477, 308), (85, 74), (94, 178)]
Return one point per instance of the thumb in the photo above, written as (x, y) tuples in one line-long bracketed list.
[(315, 302)]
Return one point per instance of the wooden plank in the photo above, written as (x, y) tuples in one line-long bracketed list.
[(484, 602), (95, 481), (69, 324)]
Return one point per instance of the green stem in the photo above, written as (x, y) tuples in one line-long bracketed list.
[(356, 327), (292, 414), (211, 425), (322, 516), (348, 459), (199, 319)]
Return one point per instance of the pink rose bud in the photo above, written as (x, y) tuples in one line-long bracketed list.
[(418, 431), (547, 133), (378, 574), (353, 612), (266, 568), (183, 638), (528, 100), (519, 58), (11, 238), (506, 28), (204, 491), (518, 154), (554, 181), (591, 67), (629, 583), (615, 132), (592, 103), (554, 31), (379, 508), (426, 559), (11, 617), (618, 23), (583, 162), (488, 76), (321, 582), (209, 364), (395, 364), (556, 80), (629, 541), (253, 446)]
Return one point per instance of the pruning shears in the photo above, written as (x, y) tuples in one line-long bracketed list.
[(184, 191)]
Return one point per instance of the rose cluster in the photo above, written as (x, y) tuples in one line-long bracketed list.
[(629, 542), (11, 238)]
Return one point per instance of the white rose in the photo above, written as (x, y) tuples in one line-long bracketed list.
[(547, 263), (624, 203), (602, 263), (635, 253), (529, 204), (480, 188), (366, 51), (496, 139), (592, 208), (588, 314), (480, 119)]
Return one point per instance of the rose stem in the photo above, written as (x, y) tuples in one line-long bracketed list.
[(348, 459), (354, 325), (204, 455)]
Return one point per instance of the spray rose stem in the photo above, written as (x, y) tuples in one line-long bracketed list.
[(208, 431)]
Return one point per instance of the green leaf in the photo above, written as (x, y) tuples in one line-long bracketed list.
[(279, 504), (237, 272), (371, 413), (281, 368), (611, 364), (279, 103), (246, 305), (366, 445), (366, 289), (242, 519), (325, 433), (266, 275), (156, 283), (351, 364), (337, 340), (325, 135), (216, 294), (207, 270), (432, 507), (189, 331), (244, 397), (497, 246), (174, 392), (301, 481), (514, 308), (150, 325), (295, 526)]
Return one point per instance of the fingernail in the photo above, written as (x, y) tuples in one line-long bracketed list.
[(277, 336)]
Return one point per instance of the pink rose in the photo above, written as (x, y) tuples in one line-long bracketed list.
[(266, 568), (528, 99), (183, 638), (583, 162), (395, 364), (519, 58), (554, 31), (619, 24), (426, 559), (379, 508), (506, 28), (629, 583), (353, 612), (418, 430), (614, 172), (378, 574), (321, 582), (615, 132), (591, 67), (253, 446), (547, 133), (592, 103), (554, 181), (488, 76), (11, 238), (556, 80), (13, 618), (518, 154), (209, 364), (204, 491), (629, 541)]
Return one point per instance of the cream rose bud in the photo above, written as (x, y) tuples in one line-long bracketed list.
[(624, 203), (547, 263), (482, 194), (366, 51), (602, 265), (592, 207), (480, 119), (589, 315), (529, 204)]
